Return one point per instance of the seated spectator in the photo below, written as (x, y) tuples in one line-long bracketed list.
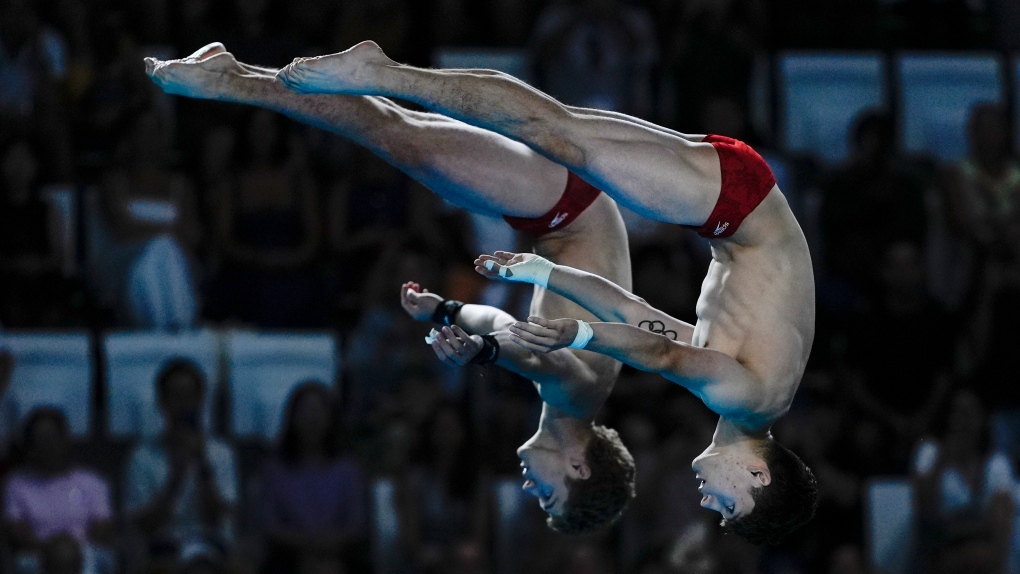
[(965, 493), (450, 484), (873, 186), (903, 385), (181, 487), (33, 292), (47, 495), (314, 498), (147, 232), (979, 196), (269, 234)]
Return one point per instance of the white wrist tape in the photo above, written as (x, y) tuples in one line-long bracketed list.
[(584, 334), (535, 271)]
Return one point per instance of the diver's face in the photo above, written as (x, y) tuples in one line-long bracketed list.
[(545, 477), (725, 482)]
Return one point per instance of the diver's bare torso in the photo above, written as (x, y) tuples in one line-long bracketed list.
[(757, 306), (597, 242)]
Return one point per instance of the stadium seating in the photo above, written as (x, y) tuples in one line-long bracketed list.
[(890, 530), (132, 361), (265, 367), (936, 94), (50, 369), (821, 95)]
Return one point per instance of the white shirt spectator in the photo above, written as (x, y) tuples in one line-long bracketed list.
[(148, 471)]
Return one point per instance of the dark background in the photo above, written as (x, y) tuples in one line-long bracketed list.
[(280, 227)]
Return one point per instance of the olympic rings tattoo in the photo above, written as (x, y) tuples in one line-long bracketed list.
[(659, 328)]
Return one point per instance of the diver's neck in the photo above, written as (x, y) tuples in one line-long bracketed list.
[(729, 432), (557, 431)]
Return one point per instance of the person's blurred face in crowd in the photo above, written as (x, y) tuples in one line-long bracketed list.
[(987, 132), (181, 399), (61, 554), (727, 476), (48, 444), (311, 420), (546, 471), (20, 169), (873, 138)]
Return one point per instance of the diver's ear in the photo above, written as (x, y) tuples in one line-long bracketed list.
[(761, 473), (579, 468)]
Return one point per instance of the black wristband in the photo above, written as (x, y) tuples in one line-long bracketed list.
[(446, 312), (489, 353)]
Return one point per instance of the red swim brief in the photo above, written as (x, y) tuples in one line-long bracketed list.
[(746, 180), (578, 195)]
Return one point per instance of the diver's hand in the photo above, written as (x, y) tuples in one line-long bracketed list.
[(544, 335), (515, 267), (454, 346), (418, 302)]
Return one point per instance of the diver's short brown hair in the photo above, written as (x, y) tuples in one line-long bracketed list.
[(786, 504), (598, 501)]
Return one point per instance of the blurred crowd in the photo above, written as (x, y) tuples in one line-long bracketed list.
[(251, 220)]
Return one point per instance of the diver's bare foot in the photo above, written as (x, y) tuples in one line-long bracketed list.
[(354, 71), (206, 52), (205, 74)]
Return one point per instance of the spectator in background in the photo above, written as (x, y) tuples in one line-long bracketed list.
[(270, 232), (873, 187), (965, 493), (995, 336), (47, 495), (378, 220), (710, 47), (33, 57), (146, 232), (978, 195), (33, 292), (451, 484), (314, 498), (181, 487), (905, 369), (596, 54)]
